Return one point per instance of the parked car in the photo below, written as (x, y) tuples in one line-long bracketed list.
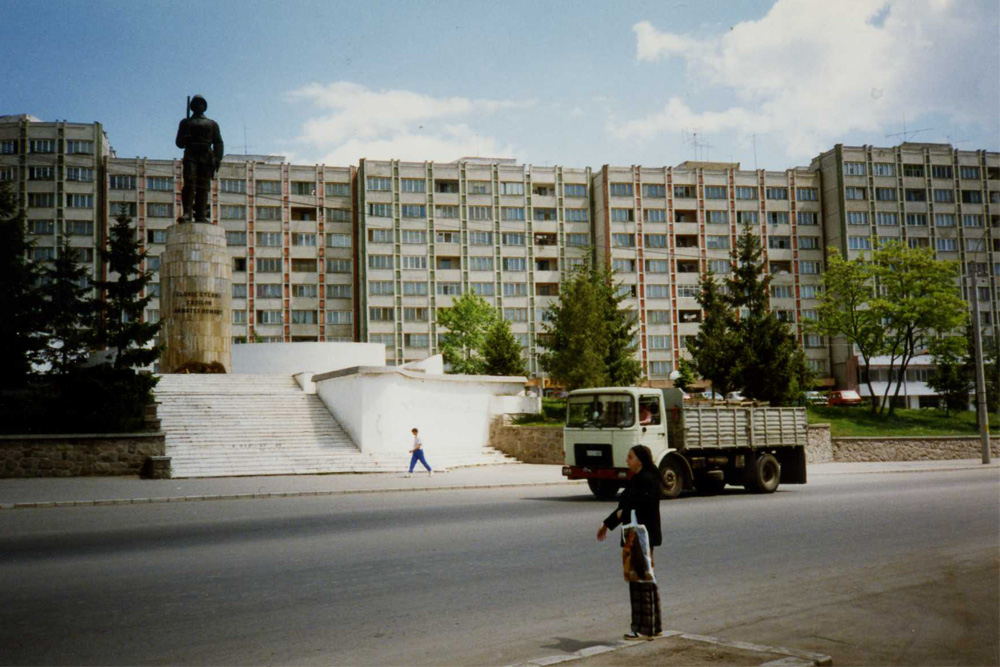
[(734, 396), (711, 396), (816, 398), (844, 397)]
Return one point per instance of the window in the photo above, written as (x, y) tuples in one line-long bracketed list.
[(659, 368), (776, 193), (515, 314), (8, 147), (623, 240), (269, 291), (859, 243), (380, 235), (913, 170), (159, 210), (854, 169), (482, 289), (268, 187), (413, 262), (857, 217), (480, 263), (941, 171), (304, 265), (446, 211), (972, 197), (339, 317), (41, 200), (480, 213), (39, 254), (808, 243), (687, 291), (720, 266), (42, 145), (746, 192), (379, 261), (715, 192), (884, 169), (657, 292), (514, 264), (160, 183), (379, 183), (269, 239), (413, 211), (658, 316), (777, 217), (654, 215), (269, 265), (79, 228), (975, 245), (913, 194), (415, 289), (620, 189), (414, 314), (10, 174), (544, 214), (944, 196), (718, 217), (480, 188), (969, 172), (515, 289), (782, 292), (303, 188), (338, 291), (972, 220), (230, 212), (918, 242), (511, 188), (269, 213), (747, 217), (944, 244), (41, 173), (720, 242), (380, 210), (303, 239), (449, 289), (685, 191), (807, 218), (654, 190), (916, 219), (41, 226), (779, 242), (480, 238), (659, 342), (338, 240), (855, 193), (81, 201), (810, 267), (510, 238), (305, 290), (412, 185), (578, 190), (578, 240), (416, 340), (944, 219), (655, 240), (413, 236), (156, 236), (807, 194), (232, 185), (511, 213), (623, 265), (577, 215), (885, 194), (269, 317), (239, 263), (381, 288), (239, 290), (239, 317), (810, 291), (657, 266), (812, 340), (887, 219)]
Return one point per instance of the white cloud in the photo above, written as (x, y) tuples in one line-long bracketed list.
[(399, 124), (811, 71)]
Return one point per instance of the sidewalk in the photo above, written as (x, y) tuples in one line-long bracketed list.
[(70, 491)]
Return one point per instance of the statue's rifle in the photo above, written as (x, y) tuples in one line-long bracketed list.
[(188, 108)]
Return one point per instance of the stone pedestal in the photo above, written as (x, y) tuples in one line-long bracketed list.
[(195, 296)]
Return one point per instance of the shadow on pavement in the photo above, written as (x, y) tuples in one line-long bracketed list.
[(569, 645)]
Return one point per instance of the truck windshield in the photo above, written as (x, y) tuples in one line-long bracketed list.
[(600, 411)]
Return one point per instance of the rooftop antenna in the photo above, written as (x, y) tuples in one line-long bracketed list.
[(699, 146), (753, 137), (907, 133)]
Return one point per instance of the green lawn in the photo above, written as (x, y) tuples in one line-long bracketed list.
[(859, 422)]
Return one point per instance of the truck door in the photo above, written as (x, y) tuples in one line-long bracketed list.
[(652, 425)]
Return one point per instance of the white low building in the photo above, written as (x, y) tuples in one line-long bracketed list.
[(914, 392)]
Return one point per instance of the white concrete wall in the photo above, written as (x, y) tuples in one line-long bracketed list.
[(292, 358), (379, 406)]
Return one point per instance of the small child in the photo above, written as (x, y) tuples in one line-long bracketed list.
[(417, 454)]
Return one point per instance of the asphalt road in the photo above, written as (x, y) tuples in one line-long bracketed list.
[(871, 569)]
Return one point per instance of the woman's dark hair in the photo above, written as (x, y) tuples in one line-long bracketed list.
[(645, 457)]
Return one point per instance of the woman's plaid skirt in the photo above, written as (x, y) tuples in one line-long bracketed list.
[(645, 608)]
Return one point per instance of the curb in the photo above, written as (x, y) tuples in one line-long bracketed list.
[(793, 657), (898, 471), (261, 496)]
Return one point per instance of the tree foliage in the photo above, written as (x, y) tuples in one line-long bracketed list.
[(501, 351), (468, 321), (68, 311), (685, 375), (714, 350), (953, 375), (590, 337)]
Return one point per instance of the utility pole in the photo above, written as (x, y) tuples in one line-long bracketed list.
[(977, 338)]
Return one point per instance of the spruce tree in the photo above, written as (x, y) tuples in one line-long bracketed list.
[(68, 311), (501, 352), (623, 367), (122, 328), (576, 339), (714, 352), (20, 300)]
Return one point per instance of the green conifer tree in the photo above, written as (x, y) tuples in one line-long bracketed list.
[(713, 349), (20, 300), (68, 311), (501, 352)]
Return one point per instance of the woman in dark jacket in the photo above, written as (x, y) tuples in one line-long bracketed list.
[(642, 494)]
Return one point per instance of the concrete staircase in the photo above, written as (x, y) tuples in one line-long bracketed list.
[(232, 425)]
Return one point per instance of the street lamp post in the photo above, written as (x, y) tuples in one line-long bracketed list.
[(977, 337)]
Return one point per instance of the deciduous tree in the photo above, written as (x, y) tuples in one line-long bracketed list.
[(952, 377), (467, 321)]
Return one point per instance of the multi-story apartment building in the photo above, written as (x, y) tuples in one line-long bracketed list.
[(56, 170), (925, 195), (661, 228), (428, 232), (289, 229)]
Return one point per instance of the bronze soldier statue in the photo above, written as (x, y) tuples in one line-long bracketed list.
[(202, 143)]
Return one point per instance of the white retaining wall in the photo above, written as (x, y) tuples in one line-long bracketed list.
[(293, 358)]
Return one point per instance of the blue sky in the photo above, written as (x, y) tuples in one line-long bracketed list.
[(769, 83)]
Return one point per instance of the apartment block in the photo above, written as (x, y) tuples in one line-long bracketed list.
[(661, 228), (429, 232), (925, 195)]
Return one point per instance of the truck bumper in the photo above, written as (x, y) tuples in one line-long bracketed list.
[(577, 472)]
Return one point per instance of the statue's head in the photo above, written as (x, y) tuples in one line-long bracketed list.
[(198, 104)]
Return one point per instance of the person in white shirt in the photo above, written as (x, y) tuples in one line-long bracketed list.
[(417, 454)]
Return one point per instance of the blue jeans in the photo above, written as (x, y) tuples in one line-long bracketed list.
[(418, 455)]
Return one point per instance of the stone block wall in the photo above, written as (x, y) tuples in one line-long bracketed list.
[(915, 448), (529, 444), (78, 455), (819, 448)]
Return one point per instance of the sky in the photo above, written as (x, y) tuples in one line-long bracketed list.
[(766, 83)]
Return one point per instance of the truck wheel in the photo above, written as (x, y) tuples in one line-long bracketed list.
[(673, 479), (763, 474), (709, 486), (603, 489)]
